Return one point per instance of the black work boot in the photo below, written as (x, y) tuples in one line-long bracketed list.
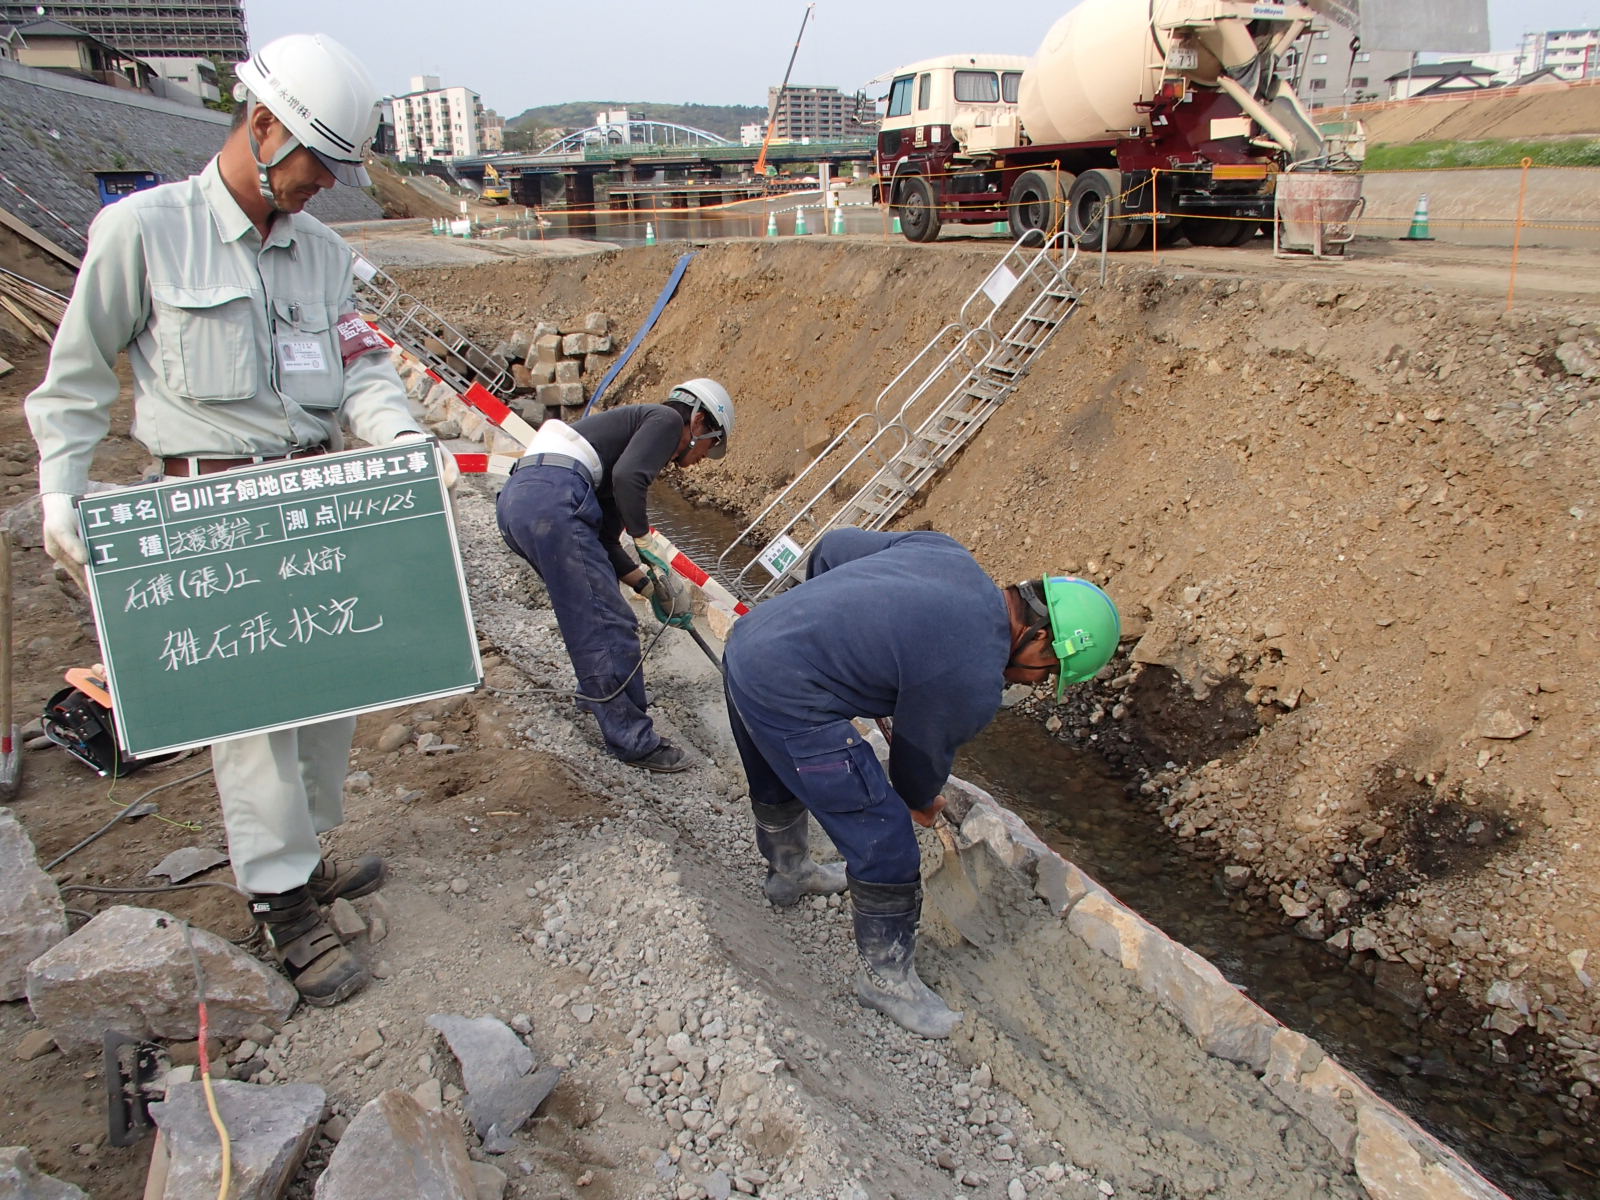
[(783, 834), (322, 970), (334, 878), (886, 918), (666, 759)]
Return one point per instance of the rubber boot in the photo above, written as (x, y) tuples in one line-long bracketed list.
[(335, 878), (322, 970), (783, 835), (886, 918)]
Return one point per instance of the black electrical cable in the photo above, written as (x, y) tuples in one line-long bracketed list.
[(577, 695), (164, 887)]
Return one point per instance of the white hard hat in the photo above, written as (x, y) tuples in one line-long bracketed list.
[(323, 96), (710, 397)]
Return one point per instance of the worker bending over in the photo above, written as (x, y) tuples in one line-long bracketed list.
[(235, 309), (564, 509), (901, 625)]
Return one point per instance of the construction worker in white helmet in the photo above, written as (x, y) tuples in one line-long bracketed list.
[(234, 307), (576, 490)]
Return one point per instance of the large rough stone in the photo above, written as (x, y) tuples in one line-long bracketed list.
[(1225, 1023), (396, 1148), (1301, 1075), (21, 1180), (32, 918), (129, 970), (503, 1089), (1396, 1161), (269, 1129)]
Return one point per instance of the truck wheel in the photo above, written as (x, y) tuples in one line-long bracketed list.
[(1093, 205), (1244, 232), (1039, 201), (1204, 231), (919, 219)]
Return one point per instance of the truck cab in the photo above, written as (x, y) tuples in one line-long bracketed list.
[(970, 98)]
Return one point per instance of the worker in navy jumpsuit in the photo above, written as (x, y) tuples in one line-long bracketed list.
[(901, 625)]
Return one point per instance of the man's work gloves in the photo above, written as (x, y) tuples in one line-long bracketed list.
[(449, 473), (671, 598), (62, 540)]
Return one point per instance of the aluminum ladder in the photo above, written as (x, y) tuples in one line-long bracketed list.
[(917, 425), (420, 331)]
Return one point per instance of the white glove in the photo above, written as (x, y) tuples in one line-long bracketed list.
[(62, 540), (449, 473), (655, 550)]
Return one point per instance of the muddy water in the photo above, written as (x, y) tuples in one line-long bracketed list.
[(1082, 810)]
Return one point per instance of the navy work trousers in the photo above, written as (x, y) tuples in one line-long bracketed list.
[(549, 515), (830, 769)]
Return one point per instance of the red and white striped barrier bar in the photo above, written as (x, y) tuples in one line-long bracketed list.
[(691, 570), (485, 464), (498, 412)]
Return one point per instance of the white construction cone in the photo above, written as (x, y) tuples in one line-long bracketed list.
[(838, 219), (1419, 222), (772, 224), (800, 229)]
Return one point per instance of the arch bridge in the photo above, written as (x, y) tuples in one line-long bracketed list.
[(633, 133)]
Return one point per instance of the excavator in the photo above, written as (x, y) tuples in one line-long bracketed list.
[(495, 189)]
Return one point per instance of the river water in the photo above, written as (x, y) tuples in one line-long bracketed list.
[(1083, 810), (746, 220)]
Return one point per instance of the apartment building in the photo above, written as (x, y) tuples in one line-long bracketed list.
[(149, 29), (811, 114), (433, 122), (1327, 72), (1570, 53)]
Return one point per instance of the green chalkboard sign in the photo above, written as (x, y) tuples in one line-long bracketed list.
[(276, 595)]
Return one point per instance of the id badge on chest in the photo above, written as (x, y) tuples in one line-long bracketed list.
[(301, 354)]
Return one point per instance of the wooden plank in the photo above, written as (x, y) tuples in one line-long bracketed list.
[(28, 322), (22, 229)]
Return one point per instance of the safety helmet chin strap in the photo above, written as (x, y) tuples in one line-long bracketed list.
[(290, 145), (1032, 593)]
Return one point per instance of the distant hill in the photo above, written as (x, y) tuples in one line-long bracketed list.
[(723, 119)]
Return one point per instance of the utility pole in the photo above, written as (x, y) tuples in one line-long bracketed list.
[(772, 114)]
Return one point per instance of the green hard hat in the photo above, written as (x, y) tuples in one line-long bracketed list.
[(1085, 626)]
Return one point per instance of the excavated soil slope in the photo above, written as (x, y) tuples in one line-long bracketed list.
[(1535, 113), (1352, 524)]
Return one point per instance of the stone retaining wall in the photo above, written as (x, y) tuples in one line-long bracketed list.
[(56, 131)]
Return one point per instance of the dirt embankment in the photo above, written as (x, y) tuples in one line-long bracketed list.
[(401, 196), (1554, 111), (1352, 526)]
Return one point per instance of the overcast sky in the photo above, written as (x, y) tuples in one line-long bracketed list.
[(518, 55)]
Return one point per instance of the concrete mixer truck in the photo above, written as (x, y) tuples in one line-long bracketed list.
[(1134, 115)]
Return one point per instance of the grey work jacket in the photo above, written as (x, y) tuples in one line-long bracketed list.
[(233, 340)]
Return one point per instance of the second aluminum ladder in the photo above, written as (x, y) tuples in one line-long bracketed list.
[(868, 473)]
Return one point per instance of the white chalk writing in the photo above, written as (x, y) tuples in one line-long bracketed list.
[(184, 648)]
